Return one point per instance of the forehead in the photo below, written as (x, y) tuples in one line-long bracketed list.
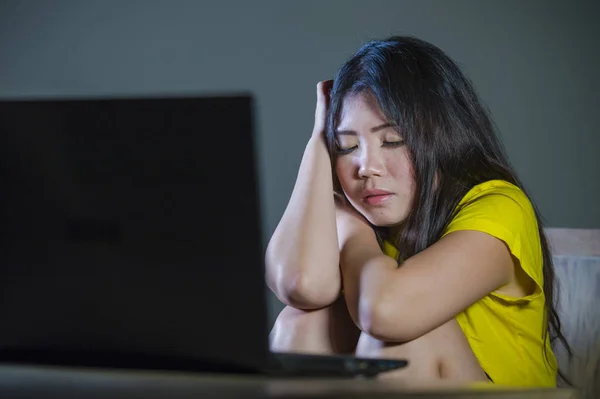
[(360, 108)]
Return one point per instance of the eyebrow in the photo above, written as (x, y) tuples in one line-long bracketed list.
[(373, 130)]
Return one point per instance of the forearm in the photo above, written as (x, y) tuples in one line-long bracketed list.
[(302, 257), (366, 273), (370, 279), (399, 304)]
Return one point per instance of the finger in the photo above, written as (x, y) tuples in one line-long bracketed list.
[(324, 89), (321, 108), (327, 86)]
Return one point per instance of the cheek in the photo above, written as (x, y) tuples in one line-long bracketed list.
[(343, 170), (399, 168)]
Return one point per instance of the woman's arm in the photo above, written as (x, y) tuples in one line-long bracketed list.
[(302, 259), (398, 304)]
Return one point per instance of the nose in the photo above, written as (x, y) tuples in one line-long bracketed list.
[(371, 163)]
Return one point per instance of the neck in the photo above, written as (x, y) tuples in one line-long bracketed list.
[(394, 231)]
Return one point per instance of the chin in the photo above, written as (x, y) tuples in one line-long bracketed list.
[(382, 220)]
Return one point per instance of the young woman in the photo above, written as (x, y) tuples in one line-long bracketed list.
[(408, 233)]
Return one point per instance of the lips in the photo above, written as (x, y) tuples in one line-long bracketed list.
[(376, 197)]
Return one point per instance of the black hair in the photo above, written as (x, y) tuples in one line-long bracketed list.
[(450, 137)]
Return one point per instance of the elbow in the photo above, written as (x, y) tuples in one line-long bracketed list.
[(373, 318), (297, 285), (309, 293), (305, 292), (384, 322)]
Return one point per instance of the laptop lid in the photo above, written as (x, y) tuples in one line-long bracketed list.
[(130, 233)]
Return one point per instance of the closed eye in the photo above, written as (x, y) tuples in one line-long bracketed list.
[(393, 144), (388, 144), (344, 151)]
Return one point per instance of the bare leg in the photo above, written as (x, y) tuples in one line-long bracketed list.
[(443, 353), (324, 331)]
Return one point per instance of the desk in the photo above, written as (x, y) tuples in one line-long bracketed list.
[(48, 382)]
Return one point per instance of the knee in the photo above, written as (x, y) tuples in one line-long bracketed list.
[(299, 322), (297, 330)]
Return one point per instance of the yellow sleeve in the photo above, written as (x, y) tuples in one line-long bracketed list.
[(504, 211)]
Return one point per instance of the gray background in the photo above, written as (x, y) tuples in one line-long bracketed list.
[(535, 64)]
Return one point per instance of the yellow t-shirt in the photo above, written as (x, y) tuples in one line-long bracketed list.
[(506, 333)]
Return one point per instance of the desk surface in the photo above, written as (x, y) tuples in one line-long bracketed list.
[(45, 382)]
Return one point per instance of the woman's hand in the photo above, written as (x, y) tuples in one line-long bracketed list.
[(323, 90)]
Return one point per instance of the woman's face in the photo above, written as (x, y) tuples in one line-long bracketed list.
[(373, 164)]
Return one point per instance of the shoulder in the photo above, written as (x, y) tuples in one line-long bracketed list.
[(494, 194), (503, 211), (495, 205)]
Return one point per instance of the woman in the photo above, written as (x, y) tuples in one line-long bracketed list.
[(408, 234)]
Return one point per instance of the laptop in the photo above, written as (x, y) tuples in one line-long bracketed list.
[(130, 237)]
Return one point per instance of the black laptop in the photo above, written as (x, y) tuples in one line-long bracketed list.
[(130, 238)]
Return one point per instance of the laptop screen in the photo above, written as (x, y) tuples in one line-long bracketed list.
[(131, 226)]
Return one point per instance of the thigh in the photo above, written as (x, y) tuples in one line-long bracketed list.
[(329, 330), (443, 353)]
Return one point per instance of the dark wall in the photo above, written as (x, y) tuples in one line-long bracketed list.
[(535, 64)]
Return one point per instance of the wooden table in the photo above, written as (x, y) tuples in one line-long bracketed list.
[(48, 382)]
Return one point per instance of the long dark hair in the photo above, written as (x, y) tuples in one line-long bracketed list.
[(450, 137)]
